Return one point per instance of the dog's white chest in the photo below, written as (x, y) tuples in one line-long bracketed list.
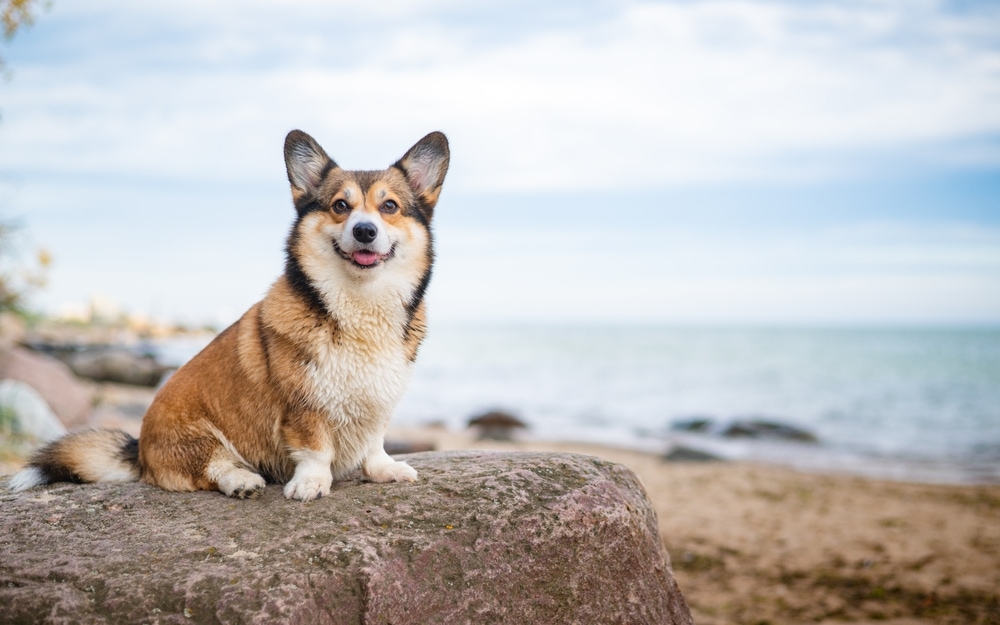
[(357, 384)]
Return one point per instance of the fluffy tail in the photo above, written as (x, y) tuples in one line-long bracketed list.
[(85, 456)]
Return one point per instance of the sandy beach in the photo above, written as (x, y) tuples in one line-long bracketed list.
[(755, 544)]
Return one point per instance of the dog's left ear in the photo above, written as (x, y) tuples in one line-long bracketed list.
[(425, 165)]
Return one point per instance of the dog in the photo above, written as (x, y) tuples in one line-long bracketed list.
[(300, 389)]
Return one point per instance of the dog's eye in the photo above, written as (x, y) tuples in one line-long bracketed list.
[(340, 206), (390, 207)]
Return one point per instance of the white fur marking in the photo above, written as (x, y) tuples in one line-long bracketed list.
[(227, 473), (26, 478), (100, 467), (358, 380), (349, 244), (117, 473), (232, 478), (312, 477), (217, 433), (380, 467), (359, 384)]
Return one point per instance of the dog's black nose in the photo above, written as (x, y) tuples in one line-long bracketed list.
[(365, 232)]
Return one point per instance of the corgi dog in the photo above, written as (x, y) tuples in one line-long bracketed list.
[(300, 389)]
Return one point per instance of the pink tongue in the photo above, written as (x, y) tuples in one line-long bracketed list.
[(365, 258)]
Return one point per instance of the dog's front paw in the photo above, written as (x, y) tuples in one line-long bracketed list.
[(395, 472), (308, 487)]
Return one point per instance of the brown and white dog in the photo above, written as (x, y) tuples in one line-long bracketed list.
[(300, 389)]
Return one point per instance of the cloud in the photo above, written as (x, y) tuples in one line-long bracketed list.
[(152, 132), (638, 93)]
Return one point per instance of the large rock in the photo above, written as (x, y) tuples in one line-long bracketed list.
[(116, 364), (28, 412), (481, 538), (496, 425), (70, 399)]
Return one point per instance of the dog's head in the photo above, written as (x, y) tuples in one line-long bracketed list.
[(364, 225)]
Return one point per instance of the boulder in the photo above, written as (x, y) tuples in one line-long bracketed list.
[(117, 364), (496, 425), (69, 398), (748, 427), (395, 447), (28, 413), (481, 538), (12, 328), (693, 424), (769, 430), (683, 453)]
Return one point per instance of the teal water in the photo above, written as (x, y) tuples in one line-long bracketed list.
[(919, 404)]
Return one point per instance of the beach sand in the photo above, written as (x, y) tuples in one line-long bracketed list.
[(760, 544)]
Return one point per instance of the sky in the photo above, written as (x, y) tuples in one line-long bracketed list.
[(730, 162)]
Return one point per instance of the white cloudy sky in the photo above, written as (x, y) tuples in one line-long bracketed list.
[(734, 161)]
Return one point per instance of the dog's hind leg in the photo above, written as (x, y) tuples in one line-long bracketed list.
[(230, 472), (195, 457), (233, 477)]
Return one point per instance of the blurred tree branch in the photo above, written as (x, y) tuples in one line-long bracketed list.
[(18, 14), (17, 283)]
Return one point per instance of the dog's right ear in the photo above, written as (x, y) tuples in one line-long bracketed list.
[(306, 162)]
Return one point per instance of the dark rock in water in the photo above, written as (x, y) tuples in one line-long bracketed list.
[(749, 427), (481, 538), (497, 418), (681, 453), (70, 399), (770, 430), (739, 429), (114, 364), (394, 448), (497, 425), (694, 424)]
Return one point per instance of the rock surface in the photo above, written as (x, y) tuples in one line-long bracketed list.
[(68, 397), (481, 538)]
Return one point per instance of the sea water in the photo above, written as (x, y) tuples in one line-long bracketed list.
[(912, 403), (908, 403)]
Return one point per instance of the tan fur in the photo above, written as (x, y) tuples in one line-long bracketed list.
[(300, 389)]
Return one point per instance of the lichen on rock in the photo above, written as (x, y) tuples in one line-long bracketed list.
[(481, 538)]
